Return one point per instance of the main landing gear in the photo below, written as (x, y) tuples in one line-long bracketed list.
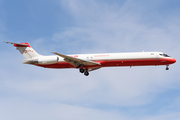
[(81, 70), (86, 73), (167, 67)]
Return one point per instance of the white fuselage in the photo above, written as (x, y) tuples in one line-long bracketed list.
[(109, 59), (89, 62)]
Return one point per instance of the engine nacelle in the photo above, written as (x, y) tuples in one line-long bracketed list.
[(48, 60)]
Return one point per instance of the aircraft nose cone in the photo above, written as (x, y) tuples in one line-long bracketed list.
[(172, 60)]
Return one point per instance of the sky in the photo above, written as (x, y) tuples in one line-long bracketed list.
[(91, 26)]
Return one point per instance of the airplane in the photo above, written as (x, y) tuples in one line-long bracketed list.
[(89, 62)]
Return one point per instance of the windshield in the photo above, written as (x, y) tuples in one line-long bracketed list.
[(164, 55)]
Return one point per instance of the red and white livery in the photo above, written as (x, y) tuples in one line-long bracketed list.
[(89, 62)]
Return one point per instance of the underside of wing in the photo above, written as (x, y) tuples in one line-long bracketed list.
[(76, 62), (93, 69)]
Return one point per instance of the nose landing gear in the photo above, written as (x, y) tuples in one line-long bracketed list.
[(167, 67)]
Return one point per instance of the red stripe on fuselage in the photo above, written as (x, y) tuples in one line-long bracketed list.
[(113, 63)]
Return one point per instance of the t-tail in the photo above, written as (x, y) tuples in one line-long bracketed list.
[(31, 56), (25, 49)]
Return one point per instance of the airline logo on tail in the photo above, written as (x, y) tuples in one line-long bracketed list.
[(26, 51)]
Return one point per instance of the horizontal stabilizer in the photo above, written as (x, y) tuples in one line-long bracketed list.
[(19, 44), (26, 50)]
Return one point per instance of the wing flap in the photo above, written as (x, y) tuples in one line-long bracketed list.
[(94, 69)]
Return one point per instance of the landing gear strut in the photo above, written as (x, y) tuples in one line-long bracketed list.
[(167, 68), (81, 70)]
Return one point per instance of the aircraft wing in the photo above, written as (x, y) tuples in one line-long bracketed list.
[(76, 61), (23, 45)]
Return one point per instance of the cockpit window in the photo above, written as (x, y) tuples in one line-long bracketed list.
[(164, 54)]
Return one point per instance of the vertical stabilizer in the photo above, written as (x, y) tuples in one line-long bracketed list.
[(26, 50)]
